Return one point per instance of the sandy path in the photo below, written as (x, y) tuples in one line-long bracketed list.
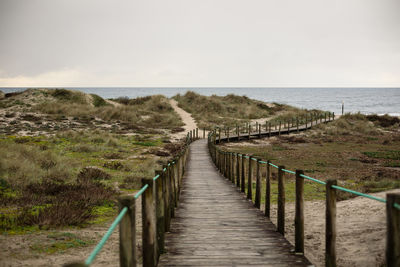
[(187, 119), (361, 230)]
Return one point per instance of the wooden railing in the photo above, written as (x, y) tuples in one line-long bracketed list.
[(160, 196), (234, 165)]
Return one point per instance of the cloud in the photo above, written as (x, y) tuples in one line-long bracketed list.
[(64, 77)]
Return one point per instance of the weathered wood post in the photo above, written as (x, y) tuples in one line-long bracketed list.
[(330, 224), (228, 161), (176, 180), (237, 169), (167, 193), (197, 133), (266, 126), (233, 167), (249, 130), (297, 124), (250, 179), (173, 189), (281, 200), (228, 133), (325, 116), (393, 230), (242, 178), (299, 216), (306, 121), (204, 133), (219, 135), (160, 212), (149, 237), (259, 131), (268, 191), (247, 127), (269, 130), (257, 201), (237, 132), (333, 116), (127, 232), (321, 117), (279, 128), (311, 120)]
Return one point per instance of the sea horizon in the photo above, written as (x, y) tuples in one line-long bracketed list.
[(366, 100)]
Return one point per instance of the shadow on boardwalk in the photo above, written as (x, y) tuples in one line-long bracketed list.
[(216, 226)]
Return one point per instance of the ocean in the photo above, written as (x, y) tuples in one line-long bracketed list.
[(363, 100)]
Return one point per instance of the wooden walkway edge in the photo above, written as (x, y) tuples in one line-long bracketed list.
[(215, 225)]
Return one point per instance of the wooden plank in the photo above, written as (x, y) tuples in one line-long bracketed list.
[(215, 225)]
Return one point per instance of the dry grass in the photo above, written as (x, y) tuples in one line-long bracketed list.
[(229, 110), (353, 150)]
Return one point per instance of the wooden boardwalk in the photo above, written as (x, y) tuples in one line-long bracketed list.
[(215, 225)]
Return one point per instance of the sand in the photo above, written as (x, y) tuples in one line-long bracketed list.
[(361, 230), (187, 119)]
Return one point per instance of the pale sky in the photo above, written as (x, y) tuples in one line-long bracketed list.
[(184, 43)]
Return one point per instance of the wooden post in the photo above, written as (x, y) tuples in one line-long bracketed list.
[(173, 194), (256, 125), (269, 130), (325, 116), (204, 133), (219, 135), (242, 178), (249, 179), (237, 170), (149, 238), (228, 133), (299, 216), (311, 120), (197, 133), (333, 116), (238, 132), (297, 124), (257, 201), (233, 157), (280, 128), (167, 188), (281, 201), (268, 191), (330, 224), (288, 127), (160, 212), (249, 130), (393, 230), (306, 121), (266, 126), (259, 131), (127, 232)]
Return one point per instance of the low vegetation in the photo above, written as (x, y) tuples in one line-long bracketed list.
[(71, 178), (361, 152), (209, 111), (48, 110)]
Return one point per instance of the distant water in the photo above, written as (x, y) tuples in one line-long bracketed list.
[(364, 100)]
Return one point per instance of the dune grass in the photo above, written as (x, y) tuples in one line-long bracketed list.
[(45, 181), (209, 111), (354, 150)]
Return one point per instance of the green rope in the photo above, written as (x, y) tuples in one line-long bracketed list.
[(273, 165), (312, 179), (156, 177), (263, 162), (292, 172), (100, 245), (254, 159), (138, 194), (359, 193), (164, 169)]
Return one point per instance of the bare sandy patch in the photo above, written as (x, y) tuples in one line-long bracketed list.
[(361, 230), (187, 119)]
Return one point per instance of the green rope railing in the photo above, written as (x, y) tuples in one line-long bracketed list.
[(100, 245)]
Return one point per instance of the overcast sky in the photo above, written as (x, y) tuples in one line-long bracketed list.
[(260, 43)]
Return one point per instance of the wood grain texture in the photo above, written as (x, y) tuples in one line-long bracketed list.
[(216, 226)]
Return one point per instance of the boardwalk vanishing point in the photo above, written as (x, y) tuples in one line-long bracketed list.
[(215, 225)]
